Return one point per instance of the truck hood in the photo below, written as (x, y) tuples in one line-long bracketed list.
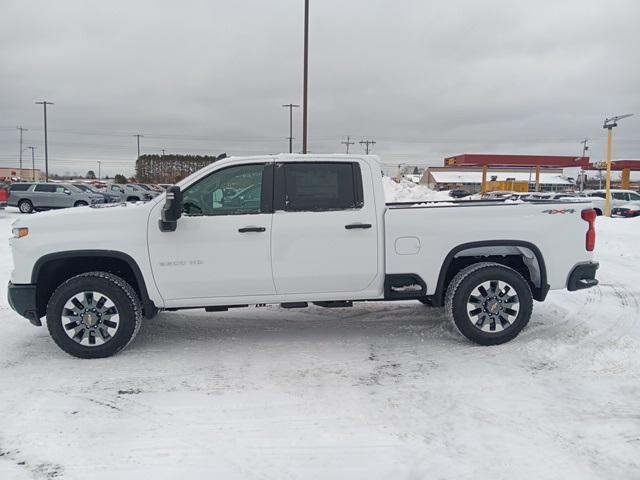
[(111, 218)]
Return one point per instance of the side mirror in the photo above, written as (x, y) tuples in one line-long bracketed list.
[(172, 210), (67, 192)]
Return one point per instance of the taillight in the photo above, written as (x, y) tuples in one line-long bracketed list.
[(589, 215)]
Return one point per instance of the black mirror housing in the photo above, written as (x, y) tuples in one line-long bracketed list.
[(172, 209)]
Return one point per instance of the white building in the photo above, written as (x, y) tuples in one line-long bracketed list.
[(470, 178)]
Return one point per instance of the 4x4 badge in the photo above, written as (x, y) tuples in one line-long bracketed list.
[(562, 211)]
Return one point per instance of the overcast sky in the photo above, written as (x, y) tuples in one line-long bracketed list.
[(424, 79)]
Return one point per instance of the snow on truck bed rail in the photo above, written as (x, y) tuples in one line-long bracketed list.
[(406, 191)]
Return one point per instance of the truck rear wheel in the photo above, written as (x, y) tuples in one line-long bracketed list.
[(489, 303), (94, 315)]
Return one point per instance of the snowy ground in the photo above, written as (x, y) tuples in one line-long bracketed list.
[(376, 391)]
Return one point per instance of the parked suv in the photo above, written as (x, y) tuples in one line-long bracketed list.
[(108, 197), (131, 192), (29, 197), (618, 198)]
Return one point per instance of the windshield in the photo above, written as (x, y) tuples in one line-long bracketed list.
[(144, 187), (84, 188), (74, 188)]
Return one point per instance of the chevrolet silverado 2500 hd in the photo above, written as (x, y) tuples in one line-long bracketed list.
[(292, 229)]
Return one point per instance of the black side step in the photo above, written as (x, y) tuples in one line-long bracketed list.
[(223, 308), (294, 305), (335, 304)]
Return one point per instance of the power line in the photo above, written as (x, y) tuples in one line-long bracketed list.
[(138, 135), (366, 144), (347, 143), (33, 165), (22, 129)]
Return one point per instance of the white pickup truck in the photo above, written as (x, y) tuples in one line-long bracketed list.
[(288, 230)]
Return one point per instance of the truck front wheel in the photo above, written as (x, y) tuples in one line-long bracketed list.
[(94, 315), (489, 303)]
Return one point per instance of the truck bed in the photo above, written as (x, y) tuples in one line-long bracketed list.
[(421, 237)]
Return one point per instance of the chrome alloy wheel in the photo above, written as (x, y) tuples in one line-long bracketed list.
[(493, 306), (90, 318)]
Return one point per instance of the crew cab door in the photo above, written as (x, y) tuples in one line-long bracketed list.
[(325, 230), (221, 246)]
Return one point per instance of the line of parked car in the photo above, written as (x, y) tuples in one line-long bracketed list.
[(35, 196), (624, 203)]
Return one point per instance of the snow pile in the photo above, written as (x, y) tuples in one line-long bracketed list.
[(407, 191)]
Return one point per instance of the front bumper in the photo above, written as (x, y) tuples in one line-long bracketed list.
[(583, 276), (22, 298)]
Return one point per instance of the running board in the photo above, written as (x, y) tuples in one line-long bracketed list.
[(335, 304), (294, 305)]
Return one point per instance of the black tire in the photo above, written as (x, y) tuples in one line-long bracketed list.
[(598, 211), (118, 291), (25, 206), (501, 327), (80, 203)]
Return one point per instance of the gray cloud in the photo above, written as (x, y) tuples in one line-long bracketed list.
[(424, 79)]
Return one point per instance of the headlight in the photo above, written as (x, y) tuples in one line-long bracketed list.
[(19, 232)]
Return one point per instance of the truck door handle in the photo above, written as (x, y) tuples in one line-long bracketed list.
[(251, 229), (351, 226)]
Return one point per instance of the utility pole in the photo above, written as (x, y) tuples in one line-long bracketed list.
[(22, 129), (609, 123), (290, 106), (44, 103), (347, 143), (163, 152), (137, 135), (33, 164), (99, 172), (583, 173), (305, 76), (366, 144)]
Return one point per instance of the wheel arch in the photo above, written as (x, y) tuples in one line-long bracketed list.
[(532, 267), (45, 274)]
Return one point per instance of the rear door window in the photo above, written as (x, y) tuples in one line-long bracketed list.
[(621, 196), (322, 186), (46, 188), (20, 187)]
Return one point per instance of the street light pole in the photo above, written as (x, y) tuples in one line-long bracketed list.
[(33, 164), (290, 106), (609, 124), (305, 76), (44, 103), (99, 172)]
